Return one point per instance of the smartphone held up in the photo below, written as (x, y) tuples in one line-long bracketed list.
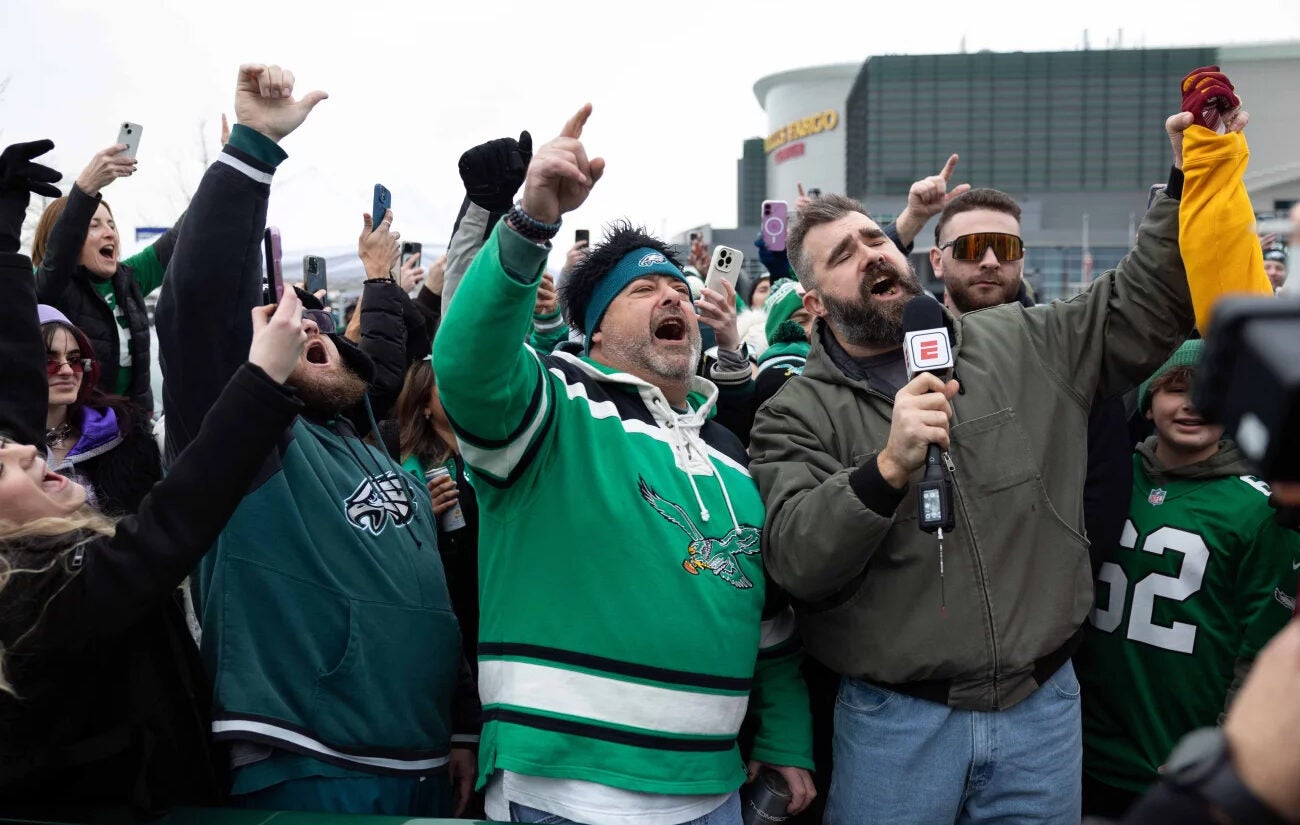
[(313, 273), (773, 223), (129, 133), (273, 283), (726, 263)]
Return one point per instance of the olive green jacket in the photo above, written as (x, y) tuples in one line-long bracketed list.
[(1017, 578)]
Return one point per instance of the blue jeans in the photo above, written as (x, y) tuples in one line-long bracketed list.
[(728, 813), (904, 760)]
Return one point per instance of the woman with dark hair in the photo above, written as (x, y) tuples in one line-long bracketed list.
[(426, 445), (78, 271), (103, 704), (90, 437)]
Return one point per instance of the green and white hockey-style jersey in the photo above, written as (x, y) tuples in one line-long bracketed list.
[(624, 634), (1204, 577)]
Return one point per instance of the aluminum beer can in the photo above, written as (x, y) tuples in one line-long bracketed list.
[(766, 799), (452, 518)]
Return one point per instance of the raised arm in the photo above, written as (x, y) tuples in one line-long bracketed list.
[(117, 580), (1110, 337), (215, 272), (492, 173), (26, 391), (63, 246), (927, 198), (491, 384)]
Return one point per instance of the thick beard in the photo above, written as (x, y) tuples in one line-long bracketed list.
[(865, 322), (642, 356), (330, 391)]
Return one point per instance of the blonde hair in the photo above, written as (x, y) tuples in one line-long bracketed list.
[(38, 546)]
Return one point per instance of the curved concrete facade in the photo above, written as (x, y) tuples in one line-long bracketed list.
[(807, 129)]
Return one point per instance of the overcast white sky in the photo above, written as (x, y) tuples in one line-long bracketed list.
[(413, 84)]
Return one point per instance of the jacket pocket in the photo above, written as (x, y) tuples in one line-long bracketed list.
[(1036, 568), (393, 685), (357, 674)]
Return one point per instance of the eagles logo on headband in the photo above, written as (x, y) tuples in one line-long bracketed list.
[(638, 263)]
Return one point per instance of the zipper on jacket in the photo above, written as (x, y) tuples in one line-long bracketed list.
[(975, 553), (979, 564)]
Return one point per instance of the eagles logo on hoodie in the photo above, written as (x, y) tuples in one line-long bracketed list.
[(376, 499)]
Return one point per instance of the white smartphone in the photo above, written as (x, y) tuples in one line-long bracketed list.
[(726, 263), (130, 135)]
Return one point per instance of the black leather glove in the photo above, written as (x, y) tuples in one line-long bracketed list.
[(494, 171), (19, 177)]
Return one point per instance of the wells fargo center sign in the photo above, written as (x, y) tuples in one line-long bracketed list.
[(787, 141)]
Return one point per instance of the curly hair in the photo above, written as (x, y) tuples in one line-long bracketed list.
[(621, 237)]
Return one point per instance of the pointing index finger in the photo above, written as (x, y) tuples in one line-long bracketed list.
[(573, 129), (946, 173)]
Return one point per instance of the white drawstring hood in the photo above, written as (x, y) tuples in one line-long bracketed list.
[(690, 451)]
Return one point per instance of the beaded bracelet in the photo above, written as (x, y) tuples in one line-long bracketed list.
[(530, 227)]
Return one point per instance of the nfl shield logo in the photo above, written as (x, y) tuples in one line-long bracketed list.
[(1156, 498)]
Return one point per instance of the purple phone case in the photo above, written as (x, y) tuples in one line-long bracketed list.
[(773, 223)]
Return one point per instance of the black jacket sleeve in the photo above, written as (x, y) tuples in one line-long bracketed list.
[(213, 281), (165, 246), (429, 305), (466, 710), (63, 247), (383, 338), (112, 582), (24, 390), (1108, 488), (891, 231)]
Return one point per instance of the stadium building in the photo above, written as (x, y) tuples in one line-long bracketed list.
[(1076, 137)]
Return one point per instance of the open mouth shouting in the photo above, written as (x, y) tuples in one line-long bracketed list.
[(316, 353), (53, 482), (108, 254), (885, 286), (671, 329)]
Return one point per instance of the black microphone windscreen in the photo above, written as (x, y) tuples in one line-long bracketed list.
[(922, 312)]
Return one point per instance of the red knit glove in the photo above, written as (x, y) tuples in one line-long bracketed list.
[(1207, 94)]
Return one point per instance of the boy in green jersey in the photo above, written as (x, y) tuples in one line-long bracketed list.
[(1203, 579)]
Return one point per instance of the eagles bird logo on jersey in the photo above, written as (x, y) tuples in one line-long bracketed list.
[(717, 555)]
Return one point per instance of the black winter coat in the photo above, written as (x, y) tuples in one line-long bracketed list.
[(111, 705), (64, 284)]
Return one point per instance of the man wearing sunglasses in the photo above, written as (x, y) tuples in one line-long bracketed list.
[(958, 701), (978, 253), (980, 257)]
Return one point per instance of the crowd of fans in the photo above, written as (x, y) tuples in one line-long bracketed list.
[(610, 546)]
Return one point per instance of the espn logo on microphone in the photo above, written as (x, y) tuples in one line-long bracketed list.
[(927, 350)]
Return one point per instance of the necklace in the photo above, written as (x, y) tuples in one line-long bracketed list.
[(54, 438)]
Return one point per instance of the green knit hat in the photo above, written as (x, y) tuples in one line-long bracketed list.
[(785, 299), (1188, 355)]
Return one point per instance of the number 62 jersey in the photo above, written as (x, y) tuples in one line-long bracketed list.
[(1203, 578)]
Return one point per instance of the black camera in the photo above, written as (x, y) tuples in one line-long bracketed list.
[(1249, 381)]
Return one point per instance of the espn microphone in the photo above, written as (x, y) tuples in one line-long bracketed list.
[(926, 348)]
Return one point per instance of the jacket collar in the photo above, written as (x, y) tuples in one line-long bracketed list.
[(828, 361), (702, 397), (99, 434)]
